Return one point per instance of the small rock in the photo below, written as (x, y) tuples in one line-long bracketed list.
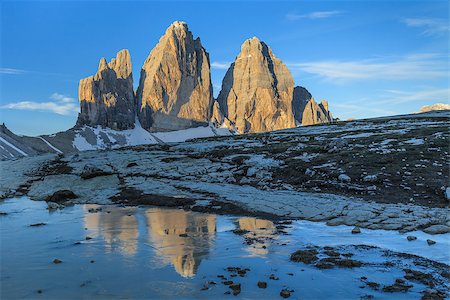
[(88, 238), (183, 235), (57, 261), (61, 196), (437, 229), (229, 282), (90, 171), (370, 178), (304, 256), (431, 242), (356, 230), (37, 224), (273, 277), (447, 193), (411, 238), (285, 293), (262, 284), (39, 291), (344, 178)]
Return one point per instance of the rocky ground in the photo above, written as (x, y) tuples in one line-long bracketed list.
[(387, 173)]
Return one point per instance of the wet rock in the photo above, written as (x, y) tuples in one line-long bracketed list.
[(262, 284), (88, 238), (332, 253), (373, 285), (183, 235), (324, 265), (356, 230), (285, 293), (236, 288), (411, 238), (57, 261), (90, 171), (240, 231), (37, 224), (437, 229), (430, 242), (39, 291), (61, 196), (398, 286), (3, 213), (228, 282), (304, 256), (273, 277), (425, 278), (432, 294)]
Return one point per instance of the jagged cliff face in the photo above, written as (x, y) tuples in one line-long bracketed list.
[(107, 98), (175, 90), (257, 90), (307, 111)]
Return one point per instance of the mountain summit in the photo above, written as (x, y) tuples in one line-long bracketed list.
[(175, 90), (257, 90), (107, 98)]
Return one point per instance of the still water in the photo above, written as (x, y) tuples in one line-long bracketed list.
[(147, 252)]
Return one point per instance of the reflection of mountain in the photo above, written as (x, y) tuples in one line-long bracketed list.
[(261, 232), (118, 228), (184, 252)]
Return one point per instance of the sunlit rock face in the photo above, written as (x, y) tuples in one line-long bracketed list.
[(175, 90), (307, 111), (119, 229), (261, 230), (257, 90), (107, 98), (186, 251)]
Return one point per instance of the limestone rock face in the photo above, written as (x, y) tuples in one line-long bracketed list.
[(175, 90), (107, 98), (307, 111), (257, 90)]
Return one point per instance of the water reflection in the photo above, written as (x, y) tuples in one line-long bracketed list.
[(183, 238), (259, 236), (118, 228)]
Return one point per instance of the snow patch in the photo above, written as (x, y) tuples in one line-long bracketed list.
[(12, 146)]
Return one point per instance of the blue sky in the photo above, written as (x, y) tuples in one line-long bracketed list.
[(368, 58)]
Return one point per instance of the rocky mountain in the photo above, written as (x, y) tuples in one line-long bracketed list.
[(257, 90), (175, 90), (436, 106), (307, 111), (175, 94), (107, 98)]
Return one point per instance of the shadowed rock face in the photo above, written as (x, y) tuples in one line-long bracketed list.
[(175, 90), (257, 90), (107, 98), (307, 111)]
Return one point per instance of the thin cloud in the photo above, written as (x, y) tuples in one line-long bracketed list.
[(427, 95), (62, 98), (11, 71), (61, 105), (419, 66), (313, 15), (220, 65), (430, 27)]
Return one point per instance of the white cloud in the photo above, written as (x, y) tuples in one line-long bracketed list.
[(220, 65), (62, 105), (10, 71), (430, 27), (61, 98), (313, 15), (419, 66)]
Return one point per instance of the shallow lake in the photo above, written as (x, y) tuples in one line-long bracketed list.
[(147, 252)]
